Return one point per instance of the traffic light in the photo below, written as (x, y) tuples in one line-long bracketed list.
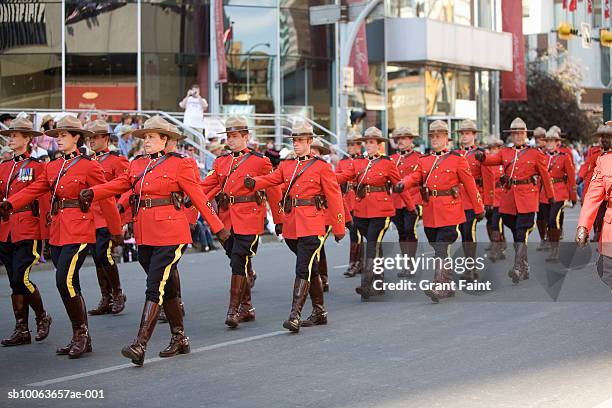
[(565, 31), (605, 37)]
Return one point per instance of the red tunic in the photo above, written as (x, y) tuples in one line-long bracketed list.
[(114, 166), (406, 163), (484, 182), (562, 174)]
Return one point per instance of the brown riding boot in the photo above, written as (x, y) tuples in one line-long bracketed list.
[(63, 351), (21, 334), (179, 343), (544, 239), (442, 276), (323, 274), (319, 314), (407, 248), (136, 351), (43, 319), (352, 258), (119, 298), (300, 292), (105, 306), (81, 341), (469, 251), (554, 237), (246, 311), (490, 231), (236, 289), (358, 264)]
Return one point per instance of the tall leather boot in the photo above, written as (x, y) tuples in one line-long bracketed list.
[(300, 292), (136, 351), (494, 252), (524, 261), (236, 288), (544, 244), (319, 314), (554, 235), (179, 343), (444, 276), (502, 245), (81, 342), (516, 271), (21, 334), (43, 319), (119, 298), (105, 306), (352, 258), (367, 281), (469, 250), (246, 311), (178, 291), (358, 264), (323, 273), (407, 248), (490, 231), (63, 351)]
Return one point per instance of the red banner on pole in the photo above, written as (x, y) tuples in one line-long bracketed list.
[(359, 55), (564, 4), (607, 8), (219, 37), (572, 5), (514, 84), (590, 6)]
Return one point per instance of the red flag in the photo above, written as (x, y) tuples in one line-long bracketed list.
[(514, 84), (572, 5), (607, 8), (359, 55), (564, 4), (589, 6), (221, 63)]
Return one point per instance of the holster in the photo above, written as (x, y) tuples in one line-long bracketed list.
[(177, 200), (361, 191), (222, 200), (55, 206), (344, 188), (534, 180), (187, 202), (504, 180), (320, 202), (134, 204), (424, 193), (260, 197), (84, 206), (286, 205), (454, 192), (389, 186), (35, 208)]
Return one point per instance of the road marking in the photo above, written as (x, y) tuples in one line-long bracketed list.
[(151, 360), (340, 266), (605, 404)]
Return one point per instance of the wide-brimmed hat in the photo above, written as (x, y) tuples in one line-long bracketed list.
[(99, 127), (235, 124), (372, 133), (438, 126), (70, 124), (517, 125), (22, 125), (353, 136), (468, 125), (609, 123), (317, 143), (301, 128), (175, 129), (552, 134), (214, 146), (5, 116), (157, 124), (403, 131), (600, 129), (558, 130), (539, 132), (495, 141), (605, 130), (46, 118)]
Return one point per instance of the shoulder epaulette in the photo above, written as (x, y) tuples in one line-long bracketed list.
[(385, 157), (4, 161), (35, 159), (86, 156), (456, 153), (256, 153), (177, 154), (115, 153), (140, 156), (345, 158)]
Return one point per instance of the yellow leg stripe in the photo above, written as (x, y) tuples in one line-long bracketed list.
[(381, 234), (474, 222), (448, 248), (109, 253), (529, 232), (558, 217), (416, 221), (358, 236), (248, 257), (500, 227), (329, 230), (71, 269), (315, 255), (26, 275), (177, 255)]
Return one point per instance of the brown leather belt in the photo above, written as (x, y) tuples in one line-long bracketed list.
[(440, 193), (154, 202), (374, 189), (515, 182), (68, 203), (23, 209), (242, 199), (302, 202), (559, 179)]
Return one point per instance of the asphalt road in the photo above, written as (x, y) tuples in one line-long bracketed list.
[(512, 347)]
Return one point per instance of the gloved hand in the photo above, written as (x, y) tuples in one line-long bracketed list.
[(117, 240), (349, 224), (582, 236), (187, 202), (338, 237), (399, 187), (480, 216), (86, 197), (223, 235), (278, 229), (249, 182), (120, 208), (479, 155), (5, 210), (551, 200)]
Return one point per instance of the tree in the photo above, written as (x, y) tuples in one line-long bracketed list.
[(550, 101)]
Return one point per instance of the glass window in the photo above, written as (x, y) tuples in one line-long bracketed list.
[(405, 96), (304, 4), (27, 28), (250, 81), (439, 92), (406, 8), (298, 37), (252, 29), (259, 3), (31, 81)]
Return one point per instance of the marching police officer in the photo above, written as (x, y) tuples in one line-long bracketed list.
[(242, 212), (599, 191), (467, 132), (158, 182), (114, 165), (354, 149), (20, 235), (72, 223), (522, 166), (440, 175), (310, 186), (406, 159)]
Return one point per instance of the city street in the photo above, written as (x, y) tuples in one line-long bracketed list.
[(460, 353)]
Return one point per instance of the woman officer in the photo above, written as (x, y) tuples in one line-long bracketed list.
[(20, 236), (159, 182), (72, 226)]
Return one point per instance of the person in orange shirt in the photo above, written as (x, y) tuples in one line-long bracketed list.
[(113, 299), (159, 182), (440, 175), (20, 235), (72, 223), (310, 183)]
